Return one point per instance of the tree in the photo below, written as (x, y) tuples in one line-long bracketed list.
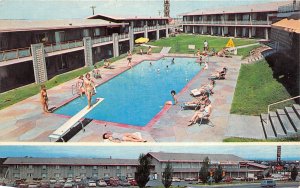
[(218, 174), (294, 173), (143, 171), (204, 173), (167, 175)]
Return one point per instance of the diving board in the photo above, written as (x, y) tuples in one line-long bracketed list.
[(66, 127)]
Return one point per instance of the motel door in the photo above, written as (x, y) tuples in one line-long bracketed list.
[(59, 37)]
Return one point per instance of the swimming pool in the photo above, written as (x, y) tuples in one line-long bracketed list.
[(137, 95)]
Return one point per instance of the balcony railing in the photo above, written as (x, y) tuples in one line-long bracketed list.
[(253, 22), (15, 54), (102, 40), (123, 36), (137, 29), (63, 46)]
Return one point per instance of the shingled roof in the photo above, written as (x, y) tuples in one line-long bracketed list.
[(291, 24), (192, 157), (126, 18), (30, 25), (70, 161)]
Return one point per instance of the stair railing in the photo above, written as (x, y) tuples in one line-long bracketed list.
[(278, 103)]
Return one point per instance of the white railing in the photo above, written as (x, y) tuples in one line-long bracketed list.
[(15, 54), (137, 29), (240, 22), (279, 103), (63, 46), (123, 36), (102, 40), (289, 8)]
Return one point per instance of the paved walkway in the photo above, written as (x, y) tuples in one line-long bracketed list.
[(248, 45), (25, 120), (165, 50)]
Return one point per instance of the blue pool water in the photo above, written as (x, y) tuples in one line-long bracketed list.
[(137, 95)]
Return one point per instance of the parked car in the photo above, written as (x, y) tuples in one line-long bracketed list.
[(45, 184), (23, 185), (33, 185), (107, 180), (268, 183), (239, 178), (227, 179), (61, 181), (124, 184), (80, 184), (175, 179), (58, 185), (102, 183), (114, 182), (68, 184), (132, 182), (92, 184), (78, 179), (52, 180)]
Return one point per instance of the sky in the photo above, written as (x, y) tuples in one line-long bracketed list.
[(250, 152), (69, 9)]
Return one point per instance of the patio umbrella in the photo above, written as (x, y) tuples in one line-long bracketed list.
[(141, 40)]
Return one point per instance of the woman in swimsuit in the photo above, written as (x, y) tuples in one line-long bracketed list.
[(119, 137), (89, 88), (44, 99), (129, 58), (202, 113)]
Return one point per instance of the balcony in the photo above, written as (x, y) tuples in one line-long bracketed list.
[(240, 22), (15, 54), (63, 46), (102, 40), (289, 8)]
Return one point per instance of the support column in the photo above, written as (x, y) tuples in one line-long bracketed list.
[(193, 29), (202, 30), (235, 32), (222, 30), (131, 38), (88, 55), (250, 32), (266, 34), (115, 44), (157, 32), (211, 28), (39, 63), (146, 31), (167, 31)]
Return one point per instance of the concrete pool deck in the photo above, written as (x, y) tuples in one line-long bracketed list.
[(26, 122)]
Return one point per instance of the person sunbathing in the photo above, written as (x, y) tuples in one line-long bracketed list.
[(219, 74), (96, 73), (122, 137), (201, 113), (107, 64)]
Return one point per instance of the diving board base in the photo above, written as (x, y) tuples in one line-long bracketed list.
[(66, 127)]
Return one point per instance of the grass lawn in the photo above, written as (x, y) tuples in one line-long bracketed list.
[(13, 96), (245, 52), (256, 89), (180, 43), (136, 49)]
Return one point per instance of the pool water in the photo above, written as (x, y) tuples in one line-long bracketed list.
[(137, 95)]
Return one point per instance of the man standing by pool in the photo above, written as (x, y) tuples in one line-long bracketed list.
[(129, 58), (173, 93), (205, 45)]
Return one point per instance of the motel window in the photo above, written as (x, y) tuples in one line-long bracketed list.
[(16, 175), (118, 167), (82, 167), (16, 166), (106, 175), (95, 167), (105, 167), (118, 174), (29, 175), (59, 37), (44, 167), (97, 32), (95, 175), (30, 167), (3, 43), (82, 175), (128, 167), (70, 167), (57, 175), (85, 32), (57, 167), (129, 175), (70, 175), (44, 175)]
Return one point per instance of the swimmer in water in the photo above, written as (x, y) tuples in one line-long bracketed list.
[(173, 61), (150, 63)]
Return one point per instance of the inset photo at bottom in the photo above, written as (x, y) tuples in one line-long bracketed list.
[(52, 166)]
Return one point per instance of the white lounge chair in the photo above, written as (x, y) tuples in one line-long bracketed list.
[(66, 127)]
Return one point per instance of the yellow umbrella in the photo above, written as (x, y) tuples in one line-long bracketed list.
[(141, 40)]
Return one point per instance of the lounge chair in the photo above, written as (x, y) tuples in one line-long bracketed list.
[(187, 106), (206, 120)]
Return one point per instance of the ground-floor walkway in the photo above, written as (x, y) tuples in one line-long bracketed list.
[(25, 120)]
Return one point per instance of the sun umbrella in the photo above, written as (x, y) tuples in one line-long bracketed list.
[(141, 40)]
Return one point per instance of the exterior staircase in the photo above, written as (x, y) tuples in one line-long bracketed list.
[(282, 123)]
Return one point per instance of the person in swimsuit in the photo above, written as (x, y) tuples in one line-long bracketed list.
[(89, 88), (149, 52), (44, 99), (202, 113), (173, 93), (80, 85), (129, 58), (122, 137)]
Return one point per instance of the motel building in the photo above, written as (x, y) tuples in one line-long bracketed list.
[(35, 51), (184, 166), (250, 21)]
